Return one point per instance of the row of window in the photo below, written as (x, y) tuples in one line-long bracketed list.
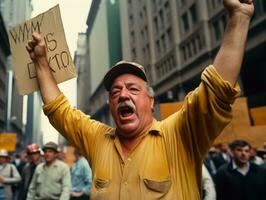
[(218, 27), (162, 18), (166, 66), (189, 18), (164, 43), (192, 47)]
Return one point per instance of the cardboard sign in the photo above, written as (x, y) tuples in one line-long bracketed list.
[(49, 25), (8, 141)]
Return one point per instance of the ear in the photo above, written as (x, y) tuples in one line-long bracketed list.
[(152, 104)]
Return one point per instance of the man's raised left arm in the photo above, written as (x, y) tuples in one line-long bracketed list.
[(229, 59)]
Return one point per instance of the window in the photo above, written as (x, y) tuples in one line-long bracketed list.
[(194, 48), (198, 42), (158, 48), (193, 13), (167, 12), (161, 18), (156, 25), (146, 33), (142, 35), (134, 55), (185, 22), (217, 32), (263, 5), (131, 20), (224, 21), (132, 37), (169, 37), (163, 43), (184, 53)]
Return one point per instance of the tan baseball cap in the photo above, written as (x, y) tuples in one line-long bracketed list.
[(123, 67)]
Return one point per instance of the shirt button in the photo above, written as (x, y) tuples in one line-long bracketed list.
[(129, 159)]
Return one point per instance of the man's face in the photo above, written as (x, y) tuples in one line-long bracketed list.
[(130, 105), (3, 159), (35, 157), (241, 154), (49, 155)]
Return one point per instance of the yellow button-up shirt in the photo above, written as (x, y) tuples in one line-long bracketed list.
[(166, 163)]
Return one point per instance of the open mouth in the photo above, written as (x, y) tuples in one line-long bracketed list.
[(126, 111)]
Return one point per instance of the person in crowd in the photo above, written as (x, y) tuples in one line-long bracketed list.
[(19, 162), (143, 158), (8, 175), (80, 178), (240, 179), (51, 179), (34, 158), (222, 156), (208, 161), (208, 188), (254, 158)]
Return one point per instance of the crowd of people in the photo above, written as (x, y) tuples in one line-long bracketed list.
[(40, 173), (234, 171), (230, 171)]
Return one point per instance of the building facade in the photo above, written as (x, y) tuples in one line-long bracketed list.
[(4, 53), (82, 71), (104, 49), (15, 12)]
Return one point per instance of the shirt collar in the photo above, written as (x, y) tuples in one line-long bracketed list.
[(54, 164), (242, 171), (154, 130)]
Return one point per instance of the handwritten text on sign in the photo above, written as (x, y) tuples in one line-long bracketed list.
[(49, 25)]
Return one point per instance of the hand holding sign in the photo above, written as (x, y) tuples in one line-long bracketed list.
[(36, 47), (47, 44)]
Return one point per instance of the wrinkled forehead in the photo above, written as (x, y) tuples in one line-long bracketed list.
[(128, 79)]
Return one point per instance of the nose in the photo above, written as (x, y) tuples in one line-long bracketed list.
[(124, 94)]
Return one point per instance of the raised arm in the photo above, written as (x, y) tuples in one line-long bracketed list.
[(229, 58), (47, 84)]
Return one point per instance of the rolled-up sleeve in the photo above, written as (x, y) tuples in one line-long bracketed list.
[(77, 127)]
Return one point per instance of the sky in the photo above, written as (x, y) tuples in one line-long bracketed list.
[(74, 14)]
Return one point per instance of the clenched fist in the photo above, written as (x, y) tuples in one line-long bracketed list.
[(245, 7), (36, 47)]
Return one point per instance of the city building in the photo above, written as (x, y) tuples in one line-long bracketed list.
[(104, 49), (4, 53), (83, 83), (20, 110)]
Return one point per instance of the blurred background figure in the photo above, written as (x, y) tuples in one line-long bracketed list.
[(19, 161), (51, 179), (208, 188), (222, 156), (254, 158), (208, 161), (34, 158), (81, 177), (8, 175), (240, 179)]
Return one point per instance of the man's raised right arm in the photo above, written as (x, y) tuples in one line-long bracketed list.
[(46, 81)]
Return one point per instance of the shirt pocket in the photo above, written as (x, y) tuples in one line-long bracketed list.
[(100, 188), (154, 188), (101, 183)]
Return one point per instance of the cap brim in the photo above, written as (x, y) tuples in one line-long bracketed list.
[(50, 148), (123, 68)]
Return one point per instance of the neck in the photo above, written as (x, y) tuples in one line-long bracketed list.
[(241, 165), (128, 144), (48, 164)]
